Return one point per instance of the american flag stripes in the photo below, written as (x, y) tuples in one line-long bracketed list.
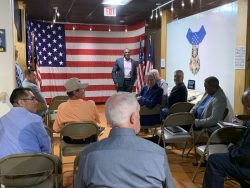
[(65, 51)]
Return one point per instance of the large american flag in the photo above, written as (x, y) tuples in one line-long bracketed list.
[(140, 70), (149, 56), (87, 52)]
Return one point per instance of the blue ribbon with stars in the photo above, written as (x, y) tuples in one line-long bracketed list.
[(195, 38)]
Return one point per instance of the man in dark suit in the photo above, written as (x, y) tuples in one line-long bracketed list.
[(124, 72), (235, 163)]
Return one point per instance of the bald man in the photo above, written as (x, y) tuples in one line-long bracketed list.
[(235, 163)]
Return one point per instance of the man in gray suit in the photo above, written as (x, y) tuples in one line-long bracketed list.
[(210, 109), (124, 72)]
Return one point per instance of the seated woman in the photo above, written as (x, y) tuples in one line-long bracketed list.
[(151, 95)]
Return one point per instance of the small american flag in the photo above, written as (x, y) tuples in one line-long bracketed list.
[(149, 56), (140, 70)]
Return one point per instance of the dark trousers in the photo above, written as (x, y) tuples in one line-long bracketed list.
[(127, 86), (219, 167), (88, 140)]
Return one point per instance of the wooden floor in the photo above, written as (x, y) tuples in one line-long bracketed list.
[(181, 168)]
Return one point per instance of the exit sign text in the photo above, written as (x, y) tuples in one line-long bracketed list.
[(109, 11)]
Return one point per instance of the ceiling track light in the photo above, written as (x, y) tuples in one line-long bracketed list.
[(54, 19), (182, 4), (56, 14), (191, 1), (172, 7), (158, 8), (156, 14), (152, 16)]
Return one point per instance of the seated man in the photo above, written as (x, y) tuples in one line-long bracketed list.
[(178, 93), (210, 109), (150, 96), (76, 109), (21, 130), (235, 163), (123, 159), (161, 82), (30, 82)]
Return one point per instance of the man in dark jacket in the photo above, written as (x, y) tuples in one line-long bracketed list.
[(235, 163), (178, 93), (124, 73)]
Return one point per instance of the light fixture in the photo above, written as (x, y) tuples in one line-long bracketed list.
[(191, 1), (182, 4), (109, 28), (115, 2), (90, 28), (152, 15), (54, 20), (158, 8), (160, 12), (156, 14), (172, 7), (56, 14), (126, 29), (74, 28)]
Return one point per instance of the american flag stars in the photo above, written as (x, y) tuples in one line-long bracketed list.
[(49, 42)]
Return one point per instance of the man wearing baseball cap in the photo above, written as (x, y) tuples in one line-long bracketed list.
[(76, 109)]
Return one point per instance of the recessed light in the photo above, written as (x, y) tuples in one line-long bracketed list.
[(115, 2)]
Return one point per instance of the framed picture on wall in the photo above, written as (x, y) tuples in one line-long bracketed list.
[(191, 84), (2, 40)]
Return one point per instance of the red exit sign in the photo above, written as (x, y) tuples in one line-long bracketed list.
[(109, 11)]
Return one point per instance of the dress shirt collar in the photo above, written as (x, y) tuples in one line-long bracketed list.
[(121, 132), (21, 109), (125, 60)]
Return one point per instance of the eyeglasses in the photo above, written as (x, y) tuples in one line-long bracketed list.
[(31, 99)]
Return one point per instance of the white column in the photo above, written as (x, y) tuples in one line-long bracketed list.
[(7, 62)]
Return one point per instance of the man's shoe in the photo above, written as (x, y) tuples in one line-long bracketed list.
[(101, 130)]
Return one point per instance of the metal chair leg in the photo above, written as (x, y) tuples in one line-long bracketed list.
[(197, 168)]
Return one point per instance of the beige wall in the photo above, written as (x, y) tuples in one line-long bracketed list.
[(242, 77), (7, 62)]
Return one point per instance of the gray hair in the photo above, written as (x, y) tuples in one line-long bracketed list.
[(119, 107), (155, 71), (151, 75)]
